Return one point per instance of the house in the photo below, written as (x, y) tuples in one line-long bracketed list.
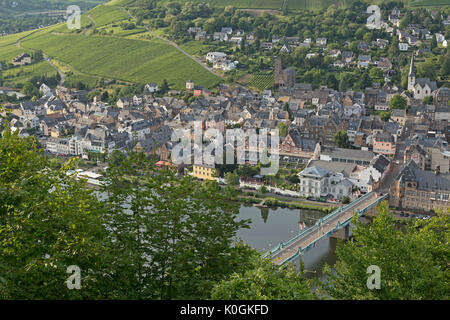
[(21, 60), (399, 116), (403, 46), (363, 46), (436, 149), (416, 189), (364, 60), (321, 42), (227, 30), (123, 102), (348, 56), (384, 64), (204, 171), (334, 53), (137, 100), (442, 97), (384, 143), (266, 45), (151, 87), (293, 41), (318, 182), (294, 143), (215, 56), (236, 39), (284, 49), (220, 36)]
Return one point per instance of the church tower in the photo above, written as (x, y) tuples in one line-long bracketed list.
[(278, 72), (411, 75)]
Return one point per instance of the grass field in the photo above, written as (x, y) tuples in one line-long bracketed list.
[(123, 59)]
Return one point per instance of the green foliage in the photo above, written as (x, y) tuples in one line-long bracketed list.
[(48, 221), (264, 281), (428, 100), (345, 200), (385, 116), (397, 102), (232, 178), (341, 139), (283, 128), (150, 235), (413, 263)]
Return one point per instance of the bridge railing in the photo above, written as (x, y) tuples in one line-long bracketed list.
[(313, 228)]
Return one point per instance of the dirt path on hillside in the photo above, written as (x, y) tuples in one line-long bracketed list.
[(93, 24), (61, 74)]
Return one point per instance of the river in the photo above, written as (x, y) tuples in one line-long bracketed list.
[(271, 226)]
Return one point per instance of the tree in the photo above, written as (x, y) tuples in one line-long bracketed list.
[(428, 100), (341, 139), (164, 87), (413, 263), (283, 129), (172, 236), (434, 42), (345, 200), (385, 116), (48, 221), (150, 234), (232, 178), (30, 90), (397, 102), (264, 281)]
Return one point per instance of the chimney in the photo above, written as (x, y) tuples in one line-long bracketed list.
[(437, 170)]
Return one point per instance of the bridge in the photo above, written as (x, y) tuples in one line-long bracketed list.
[(337, 221)]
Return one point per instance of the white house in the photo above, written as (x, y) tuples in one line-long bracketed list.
[(151, 87), (215, 56), (403, 46), (318, 182)]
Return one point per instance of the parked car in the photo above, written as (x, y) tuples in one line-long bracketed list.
[(402, 214), (406, 214)]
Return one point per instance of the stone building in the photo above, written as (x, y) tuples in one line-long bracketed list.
[(283, 78), (418, 190)]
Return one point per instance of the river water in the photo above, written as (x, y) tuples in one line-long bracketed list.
[(271, 226)]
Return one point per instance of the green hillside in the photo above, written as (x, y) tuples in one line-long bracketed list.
[(91, 57), (123, 59), (297, 4)]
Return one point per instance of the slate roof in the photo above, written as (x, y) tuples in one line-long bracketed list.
[(426, 180)]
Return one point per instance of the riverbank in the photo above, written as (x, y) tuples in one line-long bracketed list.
[(275, 201)]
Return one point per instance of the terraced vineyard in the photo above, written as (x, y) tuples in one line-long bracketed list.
[(91, 57), (122, 59), (261, 81)]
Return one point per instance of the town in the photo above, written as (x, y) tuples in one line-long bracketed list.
[(352, 112)]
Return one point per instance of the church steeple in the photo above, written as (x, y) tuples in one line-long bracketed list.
[(412, 69), (412, 75)]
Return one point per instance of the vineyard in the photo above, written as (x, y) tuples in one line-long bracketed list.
[(261, 81)]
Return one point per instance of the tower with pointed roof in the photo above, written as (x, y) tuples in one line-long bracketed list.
[(411, 75)]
